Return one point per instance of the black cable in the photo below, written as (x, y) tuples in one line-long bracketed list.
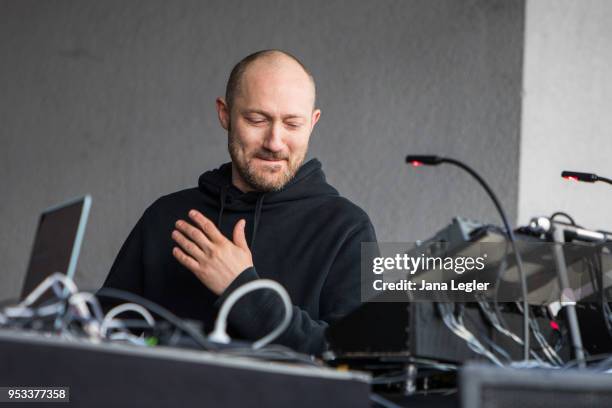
[(200, 339), (519, 261), (604, 179), (503, 267), (563, 214), (271, 352)]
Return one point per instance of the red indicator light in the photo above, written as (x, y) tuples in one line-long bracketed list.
[(572, 178), (416, 163), (554, 325)]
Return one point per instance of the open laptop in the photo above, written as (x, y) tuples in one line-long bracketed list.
[(58, 242)]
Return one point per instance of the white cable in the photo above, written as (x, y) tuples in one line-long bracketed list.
[(125, 307), (22, 309), (460, 330), (219, 333), (549, 352), (80, 300), (46, 284), (493, 319), (139, 341)]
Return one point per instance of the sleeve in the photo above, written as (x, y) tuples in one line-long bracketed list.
[(257, 313), (127, 272)]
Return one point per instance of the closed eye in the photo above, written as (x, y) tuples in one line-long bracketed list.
[(256, 121)]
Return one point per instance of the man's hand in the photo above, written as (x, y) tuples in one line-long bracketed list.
[(203, 249)]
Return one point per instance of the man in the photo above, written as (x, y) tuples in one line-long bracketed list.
[(264, 215)]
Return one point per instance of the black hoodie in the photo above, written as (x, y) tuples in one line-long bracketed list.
[(306, 237)]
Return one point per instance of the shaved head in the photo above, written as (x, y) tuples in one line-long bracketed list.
[(269, 113), (270, 59)]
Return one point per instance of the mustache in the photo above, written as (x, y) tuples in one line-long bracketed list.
[(271, 156)]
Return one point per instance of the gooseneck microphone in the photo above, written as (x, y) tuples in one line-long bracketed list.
[(420, 160), (584, 177), (433, 160)]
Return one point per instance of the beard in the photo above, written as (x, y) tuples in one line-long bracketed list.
[(266, 179)]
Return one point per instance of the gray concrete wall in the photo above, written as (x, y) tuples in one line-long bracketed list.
[(116, 98), (567, 123)]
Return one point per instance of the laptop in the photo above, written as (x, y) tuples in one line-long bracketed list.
[(58, 242)]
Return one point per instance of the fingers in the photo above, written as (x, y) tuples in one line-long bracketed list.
[(188, 246), (238, 237), (194, 234), (207, 226), (184, 259)]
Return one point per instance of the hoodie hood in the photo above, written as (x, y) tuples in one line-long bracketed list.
[(309, 181), (217, 187)]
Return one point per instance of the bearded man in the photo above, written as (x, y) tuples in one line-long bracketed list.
[(266, 214)]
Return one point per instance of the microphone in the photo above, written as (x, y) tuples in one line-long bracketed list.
[(585, 177), (433, 160), (420, 160)]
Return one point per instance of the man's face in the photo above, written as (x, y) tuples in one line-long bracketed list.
[(269, 125)]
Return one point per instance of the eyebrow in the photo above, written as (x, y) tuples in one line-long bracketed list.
[(267, 115)]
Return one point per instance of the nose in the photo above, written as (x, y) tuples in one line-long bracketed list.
[(274, 139)]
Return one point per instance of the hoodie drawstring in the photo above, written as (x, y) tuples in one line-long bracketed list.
[(221, 205), (257, 217)]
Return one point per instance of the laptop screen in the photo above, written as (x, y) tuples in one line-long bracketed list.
[(57, 242)]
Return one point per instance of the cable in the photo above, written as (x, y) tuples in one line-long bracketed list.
[(484, 336), (139, 341), (87, 298), (563, 214), (24, 308), (16, 311), (595, 267), (80, 300), (403, 376), (126, 307), (499, 323), (493, 319), (219, 333), (461, 331), (435, 160), (548, 351), (495, 316), (68, 294), (200, 339)]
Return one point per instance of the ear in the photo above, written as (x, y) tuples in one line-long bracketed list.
[(223, 112), (316, 115)]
